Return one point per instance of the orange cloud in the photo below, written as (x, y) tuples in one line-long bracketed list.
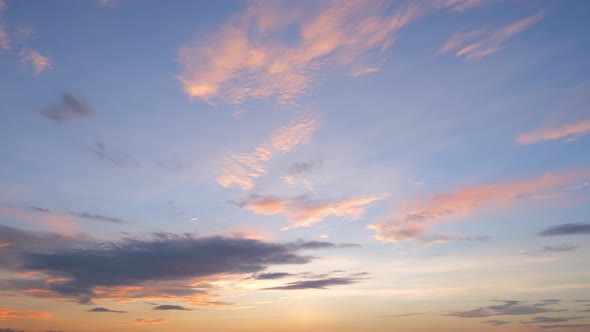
[(304, 213), (247, 59), (240, 169), (39, 61), (148, 321), (23, 314), (5, 245), (422, 214), (568, 132), (478, 44)]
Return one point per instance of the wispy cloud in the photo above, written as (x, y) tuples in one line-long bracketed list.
[(508, 308), (479, 43), (6, 313), (119, 159), (34, 58), (496, 322), (316, 284), (567, 132), (101, 309), (566, 229), (566, 326), (241, 169), (329, 34), (171, 307), (69, 108), (4, 38), (305, 212), (425, 213), (147, 321), (559, 248), (544, 319)]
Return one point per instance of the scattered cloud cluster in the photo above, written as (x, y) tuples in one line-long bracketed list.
[(482, 42), (567, 132), (425, 213), (305, 212), (241, 169), (329, 34)]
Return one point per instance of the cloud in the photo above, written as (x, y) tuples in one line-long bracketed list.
[(566, 229), (543, 319), (272, 275), (39, 61), (328, 35), (5, 244), (402, 315), (6, 313), (4, 38), (131, 269), (508, 308), (316, 284), (109, 3), (304, 212), (482, 42), (241, 169), (118, 159), (559, 248), (424, 213), (305, 167), (496, 322), (567, 132), (84, 215), (147, 321), (320, 245), (101, 309), (171, 307), (565, 326), (69, 108)]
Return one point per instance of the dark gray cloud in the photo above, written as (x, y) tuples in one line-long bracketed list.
[(566, 326), (508, 308), (544, 319), (272, 275), (566, 229), (300, 244), (547, 302), (69, 108), (84, 215), (171, 307), (101, 309), (496, 322), (304, 167), (118, 159), (316, 284)]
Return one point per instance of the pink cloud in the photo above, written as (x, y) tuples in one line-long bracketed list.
[(247, 58), (567, 132), (303, 212), (23, 314), (39, 61), (5, 245), (241, 169), (425, 213), (479, 43)]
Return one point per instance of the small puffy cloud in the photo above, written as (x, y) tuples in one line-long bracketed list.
[(482, 42), (101, 309), (566, 229), (424, 213), (34, 58), (567, 132), (69, 108), (241, 169), (304, 212), (171, 307)]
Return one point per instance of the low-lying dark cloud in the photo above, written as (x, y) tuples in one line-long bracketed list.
[(171, 307), (101, 309), (69, 108), (566, 229), (507, 308), (272, 275), (544, 319), (115, 158), (316, 284), (496, 322)]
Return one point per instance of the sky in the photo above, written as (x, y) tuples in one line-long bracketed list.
[(360, 165)]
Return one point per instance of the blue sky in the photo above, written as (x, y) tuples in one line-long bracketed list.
[(425, 159)]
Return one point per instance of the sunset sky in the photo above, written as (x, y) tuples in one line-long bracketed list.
[(275, 165)]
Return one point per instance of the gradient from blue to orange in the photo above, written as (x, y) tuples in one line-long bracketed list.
[(294, 165)]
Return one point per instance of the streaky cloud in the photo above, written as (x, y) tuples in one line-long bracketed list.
[(566, 229), (69, 108), (102, 309)]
